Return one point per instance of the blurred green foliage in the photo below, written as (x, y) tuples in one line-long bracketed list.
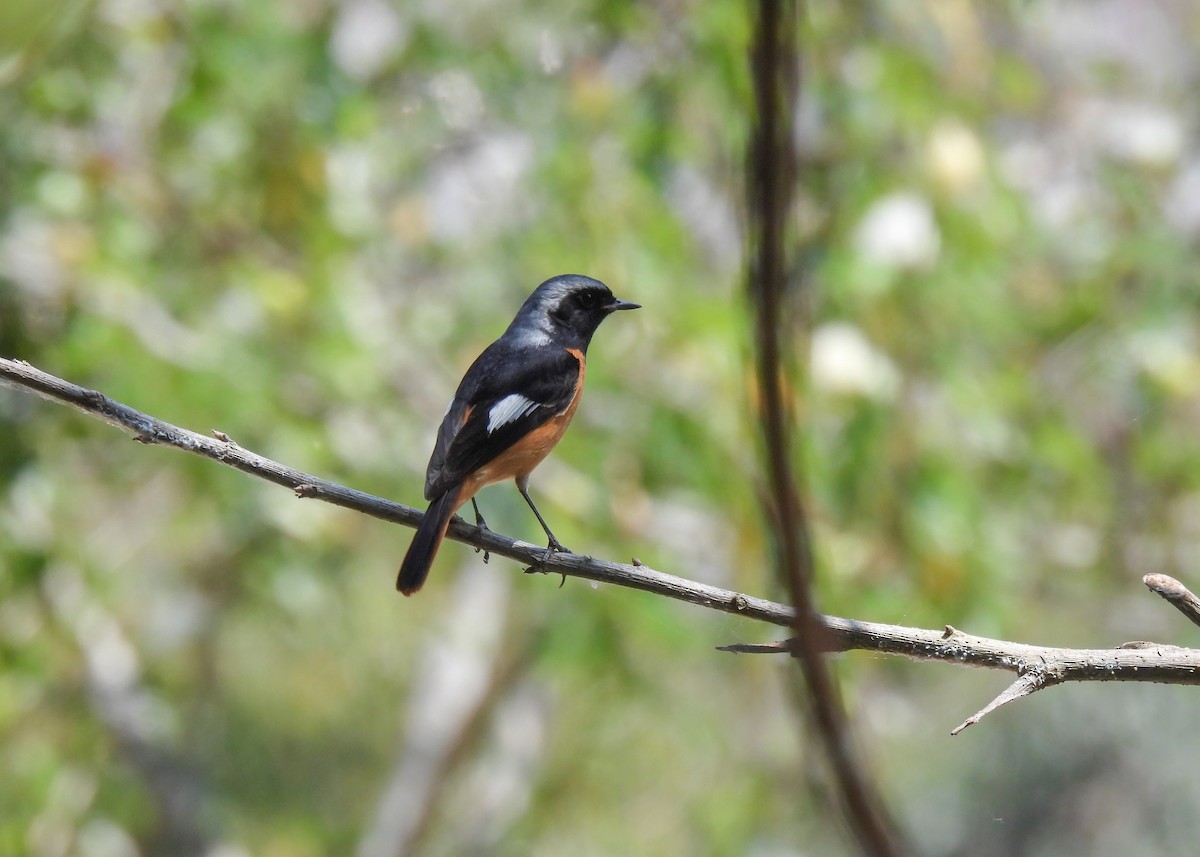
[(298, 223)]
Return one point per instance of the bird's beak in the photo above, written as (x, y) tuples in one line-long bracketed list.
[(619, 304)]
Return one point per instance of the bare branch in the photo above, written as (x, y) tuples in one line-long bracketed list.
[(1147, 662), (151, 430), (1038, 667), (1176, 593)]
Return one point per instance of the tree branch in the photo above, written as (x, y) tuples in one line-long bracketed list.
[(1037, 667), (771, 177), (151, 430), (1147, 662)]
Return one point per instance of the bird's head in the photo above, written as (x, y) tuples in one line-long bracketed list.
[(571, 305)]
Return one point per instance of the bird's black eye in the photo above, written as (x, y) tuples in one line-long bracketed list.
[(587, 300)]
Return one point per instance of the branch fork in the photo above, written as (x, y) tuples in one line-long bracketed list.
[(1036, 667)]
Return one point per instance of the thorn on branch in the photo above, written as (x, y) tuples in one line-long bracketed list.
[(757, 648), (306, 490), (1027, 684), (541, 569), (221, 436)]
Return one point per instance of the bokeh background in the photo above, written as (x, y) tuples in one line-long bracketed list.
[(298, 222)]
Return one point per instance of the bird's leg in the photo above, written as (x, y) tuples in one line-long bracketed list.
[(479, 521), (481, 524), (555, 545)]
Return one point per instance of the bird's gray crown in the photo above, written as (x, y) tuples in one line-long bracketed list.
[(550, 294)]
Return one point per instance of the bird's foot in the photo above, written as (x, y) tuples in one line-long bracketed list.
[(481, 525), (554, 547)]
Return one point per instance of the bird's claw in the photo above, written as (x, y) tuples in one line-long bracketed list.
[(554, 547), (483, 528)]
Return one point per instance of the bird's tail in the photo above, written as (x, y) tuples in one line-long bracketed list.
[(426, 542)]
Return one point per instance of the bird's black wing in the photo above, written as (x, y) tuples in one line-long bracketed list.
[(505, 395)]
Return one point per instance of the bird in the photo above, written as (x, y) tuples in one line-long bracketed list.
[(511, 408)]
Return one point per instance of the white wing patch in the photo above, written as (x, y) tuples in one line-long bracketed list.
[(509, 409)]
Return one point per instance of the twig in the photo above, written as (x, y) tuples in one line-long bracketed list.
[(1179, 596), (1147, 662)]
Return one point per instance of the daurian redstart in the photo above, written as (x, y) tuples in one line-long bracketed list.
[(510, 410)]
